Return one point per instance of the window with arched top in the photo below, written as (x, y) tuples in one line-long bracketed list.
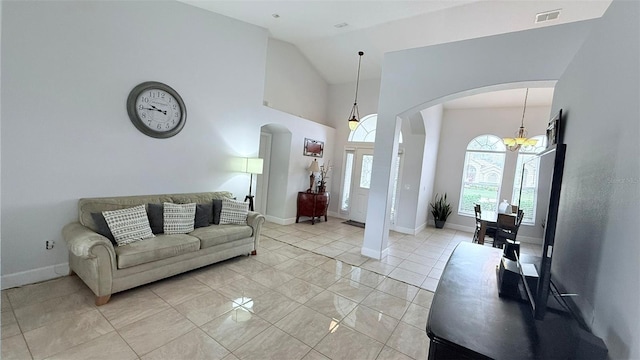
[(366, 130), (526, 173), (483, 168)]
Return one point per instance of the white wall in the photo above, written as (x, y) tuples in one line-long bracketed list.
[(66, 133), (597, 247), (292, 84), (418, 78), (459, 127)]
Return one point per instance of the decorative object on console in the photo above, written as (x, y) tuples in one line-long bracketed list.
[(324, 171), (252, 166), (440, 209), (233, 212), (313, 168), (179, 218), (313, 148), (156, 109), (128, 225), (520, 139), (354, 116)]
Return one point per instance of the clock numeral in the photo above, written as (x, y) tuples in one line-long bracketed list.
[(174, 105), (140, 107), (175, 114), (143, 115), (159, 127), (145, 99)]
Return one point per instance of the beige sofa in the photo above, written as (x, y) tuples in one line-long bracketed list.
[(108, 269)]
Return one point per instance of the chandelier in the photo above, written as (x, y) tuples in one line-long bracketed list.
[(354, 116), (520, 139)]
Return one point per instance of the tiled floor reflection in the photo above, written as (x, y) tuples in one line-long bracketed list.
[(308, 294)]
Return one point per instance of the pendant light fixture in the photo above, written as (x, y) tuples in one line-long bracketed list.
[(354, 116), (520, 138)]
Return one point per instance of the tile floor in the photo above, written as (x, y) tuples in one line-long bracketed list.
[(308, 294)]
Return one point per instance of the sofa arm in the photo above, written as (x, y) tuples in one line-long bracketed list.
[(81, 241), (255, 220)]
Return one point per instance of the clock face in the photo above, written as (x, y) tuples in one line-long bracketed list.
[(156, 109)]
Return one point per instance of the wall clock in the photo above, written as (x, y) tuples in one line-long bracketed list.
[(156, 109)]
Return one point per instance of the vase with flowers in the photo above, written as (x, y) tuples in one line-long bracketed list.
[(324, 171)]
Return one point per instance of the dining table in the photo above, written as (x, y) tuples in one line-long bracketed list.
[(489, 219)]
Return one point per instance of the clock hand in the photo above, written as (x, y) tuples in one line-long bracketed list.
[(156, 109)]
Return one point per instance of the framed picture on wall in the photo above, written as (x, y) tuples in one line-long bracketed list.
[(553, 130), (313, 148)]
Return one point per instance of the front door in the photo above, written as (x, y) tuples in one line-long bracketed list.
[(361, 182)]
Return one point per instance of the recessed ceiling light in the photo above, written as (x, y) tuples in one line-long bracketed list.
[(341, 25), (275, 16), (547, 15)]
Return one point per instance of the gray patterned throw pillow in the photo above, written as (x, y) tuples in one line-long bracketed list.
[(128, 225), (233, 212), (179, 218)]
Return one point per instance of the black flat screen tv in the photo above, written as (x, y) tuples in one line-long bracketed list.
[(551, 166)]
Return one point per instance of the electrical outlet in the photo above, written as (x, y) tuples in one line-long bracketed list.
[(49, 244)]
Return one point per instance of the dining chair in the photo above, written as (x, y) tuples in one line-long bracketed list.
[(490, 231), (478, 214), (507, 229)]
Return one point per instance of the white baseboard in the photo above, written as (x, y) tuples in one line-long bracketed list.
[(34, 276), (280, 221), (410, 231), (337, 215), (374, 254)]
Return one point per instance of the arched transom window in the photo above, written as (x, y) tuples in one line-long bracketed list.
[(366, 130)]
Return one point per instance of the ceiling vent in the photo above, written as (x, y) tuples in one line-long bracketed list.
[(547, 16)]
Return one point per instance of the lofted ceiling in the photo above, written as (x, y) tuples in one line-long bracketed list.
[(377, 27)]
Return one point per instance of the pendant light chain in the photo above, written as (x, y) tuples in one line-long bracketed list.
[(354, 116), (526, 95)]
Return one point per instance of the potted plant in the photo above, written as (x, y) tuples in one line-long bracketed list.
[(440, 209)]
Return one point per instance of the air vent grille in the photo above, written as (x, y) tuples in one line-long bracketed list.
[(548, 16)]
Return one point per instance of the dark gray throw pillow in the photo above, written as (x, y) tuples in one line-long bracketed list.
[(103, 227), (203, 215), (155, 212), (217, 209)]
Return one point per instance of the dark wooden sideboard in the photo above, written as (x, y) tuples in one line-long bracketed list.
[(468, 320), (313, 205)]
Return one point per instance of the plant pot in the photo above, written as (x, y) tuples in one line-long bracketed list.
[(439, 224)]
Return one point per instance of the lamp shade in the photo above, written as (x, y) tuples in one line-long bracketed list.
[(314, 167), (253, 166)]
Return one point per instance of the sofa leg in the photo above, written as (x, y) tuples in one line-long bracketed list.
[(254, 252), (101, 300)]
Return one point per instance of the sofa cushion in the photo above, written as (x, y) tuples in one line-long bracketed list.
[(219, 234), (158, 248), (179, 218), (203, 215), (128, 225), (155, 212), (233, 212)]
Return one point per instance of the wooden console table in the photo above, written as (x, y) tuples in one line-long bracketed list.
[(468, 320), (313, 205)]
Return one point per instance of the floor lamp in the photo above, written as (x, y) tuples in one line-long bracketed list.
[(252, 166)]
